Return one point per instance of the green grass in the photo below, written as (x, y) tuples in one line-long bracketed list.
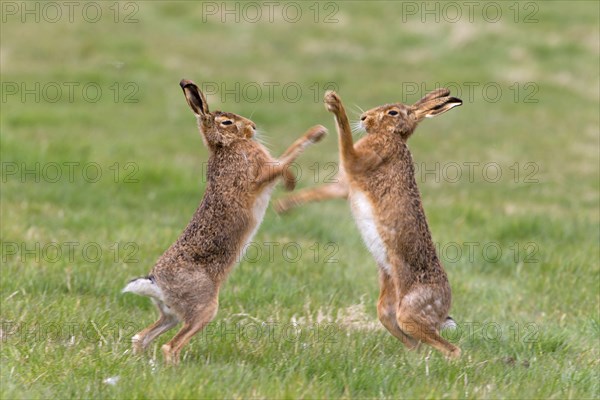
[(529, 317)]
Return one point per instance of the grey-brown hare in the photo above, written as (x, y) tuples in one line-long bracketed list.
[(415, 296), (184, 283)]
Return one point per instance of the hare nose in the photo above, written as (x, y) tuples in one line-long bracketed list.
[(363, 117)]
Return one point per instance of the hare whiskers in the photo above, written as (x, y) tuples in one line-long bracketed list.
[(357, 128), (261, 137)]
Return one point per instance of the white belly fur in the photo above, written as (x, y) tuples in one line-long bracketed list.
[(258, 212), (365, 219)]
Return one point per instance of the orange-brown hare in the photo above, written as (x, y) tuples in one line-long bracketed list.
[(414, 298), (184, 283)]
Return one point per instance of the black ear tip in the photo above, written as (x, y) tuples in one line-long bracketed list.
[(185, 82), (455, 100)]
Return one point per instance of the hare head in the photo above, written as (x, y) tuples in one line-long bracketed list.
[(401, 119), (218, 128)]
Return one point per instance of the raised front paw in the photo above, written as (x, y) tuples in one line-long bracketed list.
[(316, 133), (333, 103)]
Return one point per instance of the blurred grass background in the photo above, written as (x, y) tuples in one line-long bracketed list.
[(541, 293)]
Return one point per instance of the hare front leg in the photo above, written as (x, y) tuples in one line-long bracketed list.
[(313, 135), (352, 160), (323, 192), (333, 103)]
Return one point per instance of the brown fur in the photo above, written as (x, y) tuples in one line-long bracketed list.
[(415, 294), (240, 177)]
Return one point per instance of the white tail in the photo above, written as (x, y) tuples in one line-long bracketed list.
[(449, 323), (144, 287)]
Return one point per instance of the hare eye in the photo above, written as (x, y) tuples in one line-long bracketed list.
[(226, 122), (392, 112)]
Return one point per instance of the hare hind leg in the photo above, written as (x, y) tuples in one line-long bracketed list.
[(193, 323), (421, 325), (427, 334), (166, 321), (386, 310)]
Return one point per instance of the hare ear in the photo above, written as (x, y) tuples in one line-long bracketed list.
[(435, 107), (437, 93), (195, 98)]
